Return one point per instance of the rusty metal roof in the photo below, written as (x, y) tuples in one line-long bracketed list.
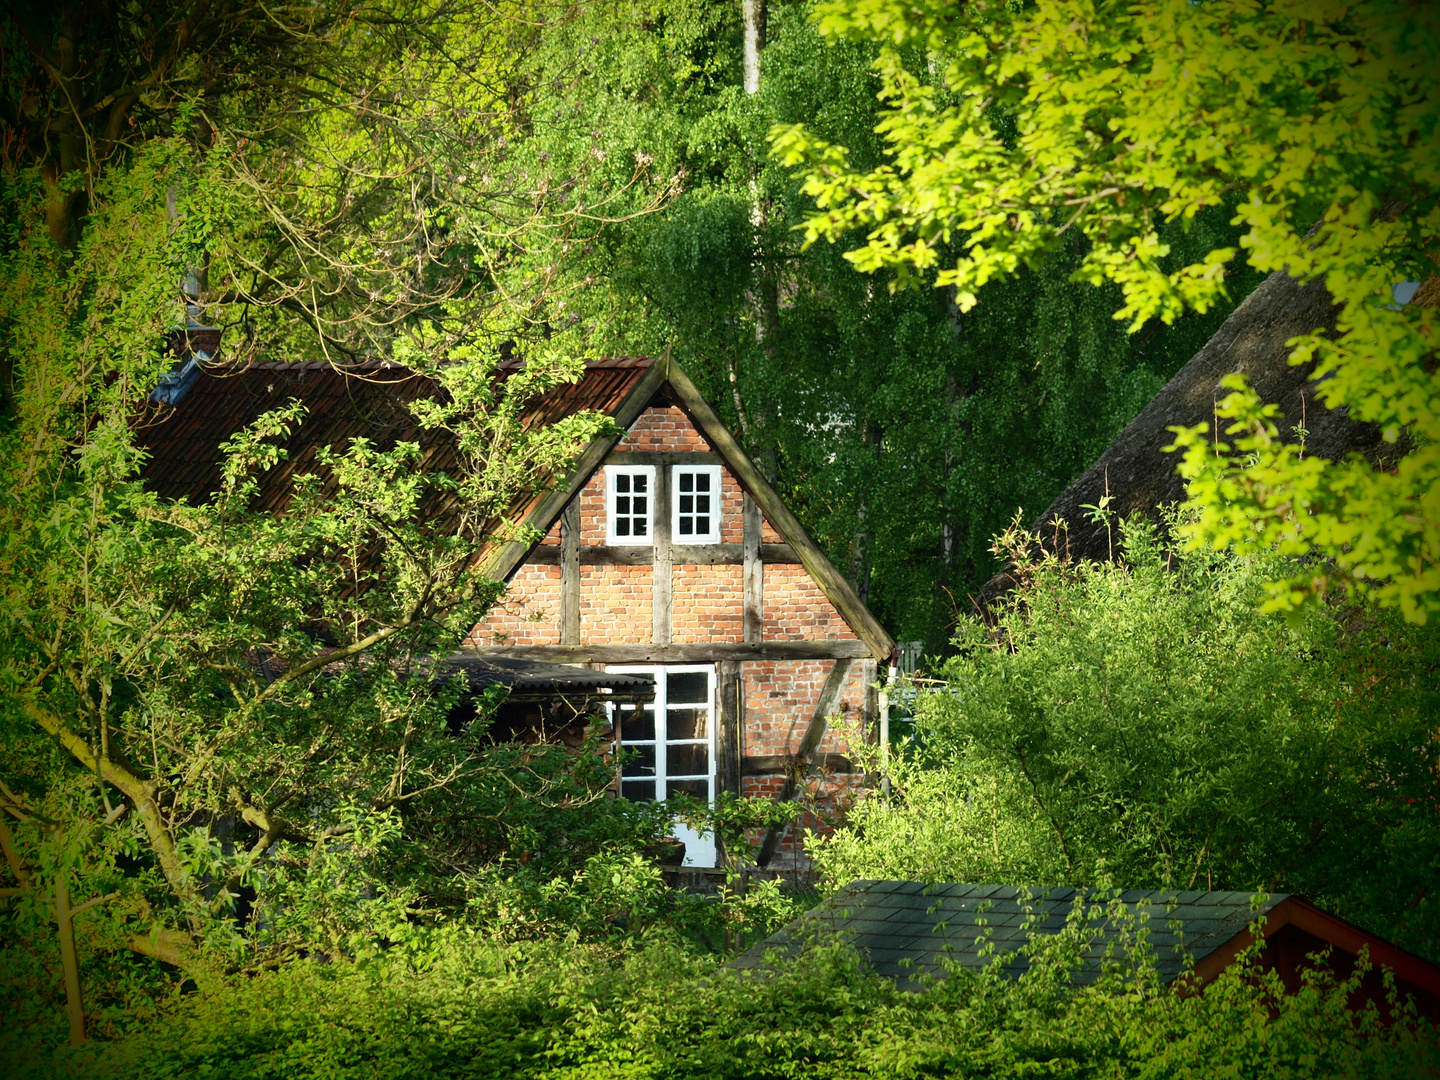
[(359, 401)]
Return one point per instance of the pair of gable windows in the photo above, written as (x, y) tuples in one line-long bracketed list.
[(694, 504)]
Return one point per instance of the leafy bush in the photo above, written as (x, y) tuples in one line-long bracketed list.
[(1143, 722), (450, 1004)]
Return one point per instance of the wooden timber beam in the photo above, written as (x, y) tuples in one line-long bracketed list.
[(753, 587), (664, 457), (662, 579), (815, 561), (781, 764), (798, 766), (680, 554), (570, 574), (694, 652)]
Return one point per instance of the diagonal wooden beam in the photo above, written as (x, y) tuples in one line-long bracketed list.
[(804, 756), (852, 609)]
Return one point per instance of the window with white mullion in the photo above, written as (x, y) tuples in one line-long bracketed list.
[(629, 504), (695, 504), (670, 742)]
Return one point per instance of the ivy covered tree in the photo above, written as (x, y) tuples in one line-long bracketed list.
[(1009, 131)]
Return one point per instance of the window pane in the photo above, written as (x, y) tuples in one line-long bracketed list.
[(687, 504), (688, 724), (702, 482), (622, 504), (698, 788), (688, 687), (622, 482), (637, 728), (687, 481), (638, 790), (687, 527), (642, 483), (642, 760), (640, 526), (622, 526), (702, 504), (687, 759), (702, 525)]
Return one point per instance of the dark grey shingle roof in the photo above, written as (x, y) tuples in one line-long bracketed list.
[(908, 928)]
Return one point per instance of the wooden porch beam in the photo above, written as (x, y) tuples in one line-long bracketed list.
[(697, 652), (643, 555)]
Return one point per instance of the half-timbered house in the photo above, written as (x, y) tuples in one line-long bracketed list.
[(664, 553), (668, 553)]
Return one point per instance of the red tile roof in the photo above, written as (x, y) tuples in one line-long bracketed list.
[(359, 401)]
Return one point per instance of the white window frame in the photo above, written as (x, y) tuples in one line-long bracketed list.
[(711, 537), (699, 848), (611, 472)]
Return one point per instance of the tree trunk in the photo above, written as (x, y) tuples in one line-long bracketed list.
[(69, 963), (765, 292)]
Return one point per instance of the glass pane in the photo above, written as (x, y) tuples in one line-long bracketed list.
[(702, 525), (688, 687), (640, 504), (640, 526), (687, 504), (642, 484), (622, 482), (638, 790), (688, 724), (622, 526), (699, 788), (642, 761), (687, 759), (687, 527), (622, 504), (637, 728), (687, 481), (702, 482), (702, 504)]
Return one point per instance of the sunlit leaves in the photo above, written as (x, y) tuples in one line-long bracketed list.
[(1129, 113)]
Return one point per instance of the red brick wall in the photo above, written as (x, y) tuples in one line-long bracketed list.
[(615, 604), (826, 798), (663, 428), (705, 602), (796, 609), (780, 700), (527, 614)]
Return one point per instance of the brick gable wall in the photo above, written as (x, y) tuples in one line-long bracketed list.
[(779, 697)]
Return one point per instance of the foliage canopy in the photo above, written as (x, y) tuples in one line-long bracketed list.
[(1008, 127)]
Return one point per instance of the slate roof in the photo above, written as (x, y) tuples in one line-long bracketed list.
[(908, 928)]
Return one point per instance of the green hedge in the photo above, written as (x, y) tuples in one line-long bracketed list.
[(563, 1010)]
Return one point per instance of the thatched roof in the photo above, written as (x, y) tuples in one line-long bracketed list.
[(1140, 477)]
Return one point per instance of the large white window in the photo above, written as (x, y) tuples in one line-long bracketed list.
[(670, 743), (630, 504), (695, 499)]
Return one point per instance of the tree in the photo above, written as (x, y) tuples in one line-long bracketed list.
[(1009, 130), (190, 694), (904, 433)]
